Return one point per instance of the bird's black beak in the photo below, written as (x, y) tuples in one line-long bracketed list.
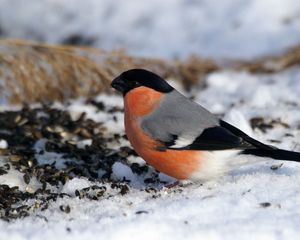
[(119, 85)]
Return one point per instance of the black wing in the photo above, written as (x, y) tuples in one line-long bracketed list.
[(221, 137)]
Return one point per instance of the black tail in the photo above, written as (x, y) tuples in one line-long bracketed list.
[(274, 153), (261, 149)]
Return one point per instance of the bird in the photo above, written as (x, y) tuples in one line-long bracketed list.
[(179, 137)]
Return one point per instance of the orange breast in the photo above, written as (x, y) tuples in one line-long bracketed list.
[(180, 164)]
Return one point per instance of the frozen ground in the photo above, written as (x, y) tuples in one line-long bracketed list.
[(254, 202), (170, 28)]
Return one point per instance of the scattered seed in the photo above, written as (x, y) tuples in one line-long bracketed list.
[(151, 190), (17, 119), (15, 158), (274, 141), (22, 122), (288, 135), (265, 204), (26, 178), (65, 208), (265, 124), (29, 189), (22, 129), (2, 171), (249, 190), (141, 212), (276, 167), (3, 152)]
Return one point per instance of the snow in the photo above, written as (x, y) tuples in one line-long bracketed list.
[(83, 143), (3, 144), (235, 117), (15, 178), (223, 210), (251, 202), (121, 171), (76, 183), (170, 28)]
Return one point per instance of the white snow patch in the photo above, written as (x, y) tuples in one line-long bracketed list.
[(84, 143), (76, 183), (44, 157), (237, 119), (165, 178), (121, 171), (3, 144), (15, 178)]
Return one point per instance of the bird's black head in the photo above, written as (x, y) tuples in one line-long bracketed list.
[(139, 77)]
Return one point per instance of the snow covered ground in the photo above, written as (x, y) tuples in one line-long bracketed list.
[(254, 202), (169, 28)]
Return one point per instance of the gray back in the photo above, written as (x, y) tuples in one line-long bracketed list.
[(177, 115)]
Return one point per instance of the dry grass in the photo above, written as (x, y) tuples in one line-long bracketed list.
[(271, 64), (35, 72)]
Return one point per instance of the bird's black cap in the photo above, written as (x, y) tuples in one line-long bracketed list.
[(140, 77)]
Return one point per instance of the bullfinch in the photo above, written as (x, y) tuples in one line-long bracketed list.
[(181, 138)]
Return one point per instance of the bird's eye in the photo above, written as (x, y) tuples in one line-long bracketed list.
[(135, 83)]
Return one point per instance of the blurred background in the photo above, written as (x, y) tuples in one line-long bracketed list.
[(242, 29)]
